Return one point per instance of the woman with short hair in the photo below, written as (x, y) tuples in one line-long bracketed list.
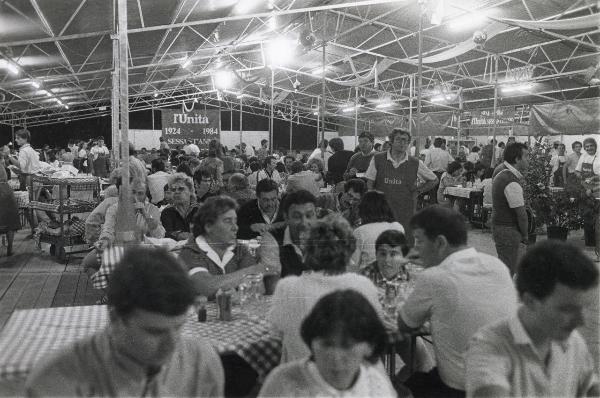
[(177, 217), (327, 247)]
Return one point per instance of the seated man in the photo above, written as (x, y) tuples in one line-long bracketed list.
[(537, 352), (300, 212), (261, 214), (142, 351), (460, 291), (345, 202), (157, 181), (213, 257), (390, 249)]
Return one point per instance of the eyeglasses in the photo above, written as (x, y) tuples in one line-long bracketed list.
[(178, 189)]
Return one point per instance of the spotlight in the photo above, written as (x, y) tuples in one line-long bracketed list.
[(187, 63), (35, 84), (223, 79), (281, 51)]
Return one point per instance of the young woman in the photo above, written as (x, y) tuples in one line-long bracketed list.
[(345, 338), (450, 178)]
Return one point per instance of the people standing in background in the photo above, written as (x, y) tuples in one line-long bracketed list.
[(322, 152), (588, 170), (359, 162), (263, 151), (473, 156), (269, 171), (395, 174), (509, 218), (246, 150), (9, 212), (558, 162), (67, 156), (99, 155), (28, 162), (437, 159), (163, 144), (500, 153), (338, 162), (82, 157), (571, 163), (487, 153)]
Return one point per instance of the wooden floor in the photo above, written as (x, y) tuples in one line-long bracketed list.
[(31, 278)]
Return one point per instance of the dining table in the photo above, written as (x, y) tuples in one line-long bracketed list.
[(33, 334)]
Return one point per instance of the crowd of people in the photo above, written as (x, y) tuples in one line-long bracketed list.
[(336, 227)]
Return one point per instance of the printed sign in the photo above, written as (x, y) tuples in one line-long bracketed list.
[(198, 126)]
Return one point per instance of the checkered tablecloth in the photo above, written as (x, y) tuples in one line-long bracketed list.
[(31, 335), (460, 192), (22, 198)]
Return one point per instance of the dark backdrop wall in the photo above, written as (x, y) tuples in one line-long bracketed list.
[(58, 134)]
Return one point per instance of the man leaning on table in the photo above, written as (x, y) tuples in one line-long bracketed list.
[(537, 352), (460, 291), (141, 352)]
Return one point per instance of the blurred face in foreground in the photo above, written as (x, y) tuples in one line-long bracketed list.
[(338, 359), (148, 338)]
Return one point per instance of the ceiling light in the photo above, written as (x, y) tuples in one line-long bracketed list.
[(48, 93), (187, 63), (272, 24), (281, 51), (243, 6), (66, 106), (349, 109), (449, 97), (316, 113), (438, 98), (155, 94), (240, 96), (42, 92), (35, 84), (517, 87), (223, 79), (318, 71), (11, 67), (468, 21), (384, 105)]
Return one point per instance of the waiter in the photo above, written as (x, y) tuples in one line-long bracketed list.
[(395, 173), (588, 169)]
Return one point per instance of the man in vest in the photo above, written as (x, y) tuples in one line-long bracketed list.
[(509, 217), (395, 174)]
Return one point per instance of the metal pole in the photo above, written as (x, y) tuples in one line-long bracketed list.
[(114, 110), (410, 106), (291, 118), (420, 82), (495, 108), (324, 101), (355, 117), (272, 108), (319, 112), (240, 123), (152, 118)]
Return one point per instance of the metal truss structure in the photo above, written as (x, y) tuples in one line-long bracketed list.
[(61, 53)]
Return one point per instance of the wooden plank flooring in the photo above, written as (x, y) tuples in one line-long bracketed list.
[(31, 278)]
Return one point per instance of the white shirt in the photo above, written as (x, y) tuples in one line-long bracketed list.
[(29, 160), (437, 159), (156, 185), (210, 253), (99, 150), (191, 149), (502, 354), (365, 236), (317, 153), (466, 291), (262, 174), (265, 216), (587, 158), (473, 157), (422, 172), (294, 298), (514, 190)]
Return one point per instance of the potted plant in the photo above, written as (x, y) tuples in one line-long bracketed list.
[(559, 211)]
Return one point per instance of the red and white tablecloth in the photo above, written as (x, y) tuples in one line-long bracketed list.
[(33, 334)]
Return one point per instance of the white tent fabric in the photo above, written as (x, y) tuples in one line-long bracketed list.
[(566, 117), (585, 22), (377, 69)]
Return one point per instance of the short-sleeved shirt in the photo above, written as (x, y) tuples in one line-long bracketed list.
[(587, 158), (514, 191), (93, 367), (466, 291), (29, 160), (503, 355), (437, 159)]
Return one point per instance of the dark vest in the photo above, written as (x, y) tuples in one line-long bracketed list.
[(398, 184), (502, 214)]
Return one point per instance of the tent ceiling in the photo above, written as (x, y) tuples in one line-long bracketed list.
[(66, 46)]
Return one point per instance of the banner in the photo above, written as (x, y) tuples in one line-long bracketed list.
[(505, 116), (577, 117), (198, 126)]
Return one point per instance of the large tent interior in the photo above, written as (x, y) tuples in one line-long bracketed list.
[(322, 67)]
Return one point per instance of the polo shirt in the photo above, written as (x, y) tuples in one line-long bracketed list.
[(422, 172), (466, 291), (360, 161), (502, 354), (93, 367), (29, 160)]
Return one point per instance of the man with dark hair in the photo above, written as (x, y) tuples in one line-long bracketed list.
[(390, 249), (263, 151), (338, 162), (487, 154), (269, 171), (261, 214), (163, 144), (359, 162), (395, 173), (157, 180), (509, 218), (321, 152), (460, 291), (142, 351), (300, 212), (28, 161), (571, 163), (287, 162), (346, 203), (437, 159), (537, 352)]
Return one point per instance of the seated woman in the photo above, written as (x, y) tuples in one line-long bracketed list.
[(376, 216), (452, 177), (94, 222), (147, 218), (212, 256), (344, 339), (303, 179), (177, 217), (327, 249)]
